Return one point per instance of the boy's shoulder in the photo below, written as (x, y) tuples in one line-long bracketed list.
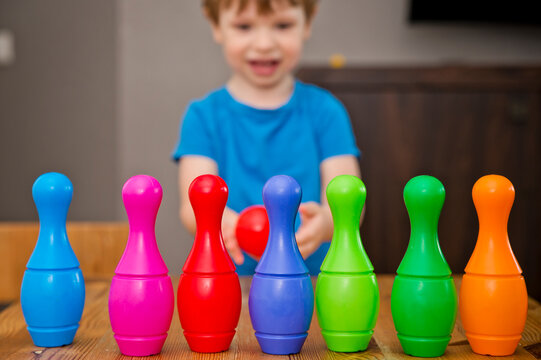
[(211, 98), (314, 95), (311, 89)]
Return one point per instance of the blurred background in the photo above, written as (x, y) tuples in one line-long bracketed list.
[(96, 89)]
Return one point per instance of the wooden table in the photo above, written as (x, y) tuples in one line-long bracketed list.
[(94, 339)]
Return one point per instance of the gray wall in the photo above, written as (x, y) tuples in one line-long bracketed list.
[(57, 105), (147, 59)]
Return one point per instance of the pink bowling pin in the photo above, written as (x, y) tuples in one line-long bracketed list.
[(141, 298)]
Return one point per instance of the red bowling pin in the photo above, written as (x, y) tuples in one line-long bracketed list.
[(141, 299), (209, 296)]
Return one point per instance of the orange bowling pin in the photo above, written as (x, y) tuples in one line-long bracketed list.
[(493, 299)]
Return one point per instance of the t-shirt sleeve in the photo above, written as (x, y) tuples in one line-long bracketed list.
[(194, 135), (334, 131)]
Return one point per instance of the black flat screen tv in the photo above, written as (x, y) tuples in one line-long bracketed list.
[(511, 12)]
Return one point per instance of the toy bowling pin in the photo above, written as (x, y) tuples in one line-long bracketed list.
[(347, 295), (53, 289), (209, 295), (281, 300), (253, 230), (141, 298), (493, 297), (424, 299)]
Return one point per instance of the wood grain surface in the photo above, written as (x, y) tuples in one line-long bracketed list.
[(94, 339)]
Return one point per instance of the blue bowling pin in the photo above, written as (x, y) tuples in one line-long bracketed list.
[(53, 289), (281, 300)]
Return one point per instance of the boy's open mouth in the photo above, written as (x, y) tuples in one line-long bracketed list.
[(264, 67)]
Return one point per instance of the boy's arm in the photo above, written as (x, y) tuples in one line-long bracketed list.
[(190, 167), (316, 220)]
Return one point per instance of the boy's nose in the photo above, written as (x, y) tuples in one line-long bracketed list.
[(264, 40)]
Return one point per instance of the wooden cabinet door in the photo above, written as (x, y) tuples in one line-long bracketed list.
[(456, 124)]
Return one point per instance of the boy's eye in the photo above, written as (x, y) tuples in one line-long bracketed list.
[(243, 27), (284, 25)]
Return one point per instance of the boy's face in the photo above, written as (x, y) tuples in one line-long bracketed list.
[(262, 49)]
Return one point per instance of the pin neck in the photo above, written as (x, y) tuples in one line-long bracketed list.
[(208, 235), (424, 256), (208, 197), (424, 234), (142, 196), (142, 224), (208, 254), (493, 254), (493, 197), (424, 197), (53, 250), (282, 196), (346, 253), (283, 236), (493, 224)]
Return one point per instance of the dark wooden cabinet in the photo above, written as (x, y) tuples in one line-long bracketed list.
[(454, 123)]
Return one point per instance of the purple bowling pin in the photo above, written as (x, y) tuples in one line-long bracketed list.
[(141, 298), (281, 300)]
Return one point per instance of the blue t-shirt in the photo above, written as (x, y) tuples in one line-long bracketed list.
[(251, 145)]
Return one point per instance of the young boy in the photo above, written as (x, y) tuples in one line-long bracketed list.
[(263, 123)]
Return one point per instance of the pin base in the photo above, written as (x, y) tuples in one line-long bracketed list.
[(424, 347), (140, 346), (53, 337), (347, 341), (493, 345), (280, 344), (209, 343)]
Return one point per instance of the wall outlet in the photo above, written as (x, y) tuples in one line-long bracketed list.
[(7, 47)]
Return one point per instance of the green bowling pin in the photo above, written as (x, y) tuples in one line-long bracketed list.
[(424, 298), (347, 295)]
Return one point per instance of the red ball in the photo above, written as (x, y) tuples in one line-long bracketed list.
[(253, 230)]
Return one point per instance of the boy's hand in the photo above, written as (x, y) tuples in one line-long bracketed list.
[(229, 225), (316, 227)]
